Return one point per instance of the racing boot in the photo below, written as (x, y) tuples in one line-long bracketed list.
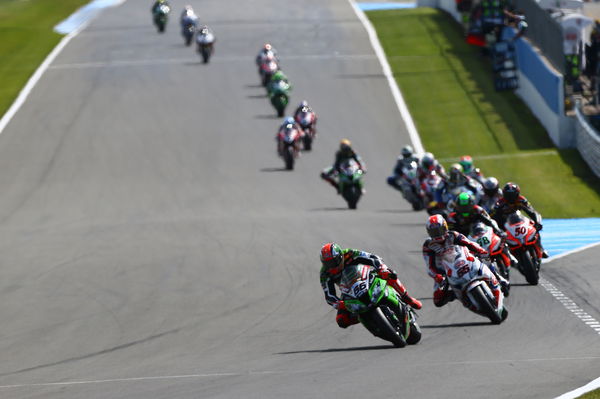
[(409, 300)]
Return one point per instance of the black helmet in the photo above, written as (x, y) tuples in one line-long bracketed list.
[(345, 146), (511, 192)]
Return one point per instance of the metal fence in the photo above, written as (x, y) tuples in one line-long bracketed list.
[(588, 142), (544, 32)]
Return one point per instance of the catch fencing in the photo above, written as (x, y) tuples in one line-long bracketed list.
[(545, 32), (588, 141)]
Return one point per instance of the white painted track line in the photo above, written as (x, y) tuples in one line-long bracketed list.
[(387, 71)]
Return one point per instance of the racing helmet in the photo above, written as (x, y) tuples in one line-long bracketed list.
[(331, 256), (407, 151), (267, 47), (288, 120), (464, 204), (303, 104), (511, 192), (436, 227), (467, 163), (428, 161), (455, 173), (490, 186), (345, 145)]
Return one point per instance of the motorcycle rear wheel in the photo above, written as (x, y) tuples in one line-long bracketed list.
[(415, 334), (380, 326)]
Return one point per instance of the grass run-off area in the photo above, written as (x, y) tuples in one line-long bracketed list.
[(591, 395), (448, 87), (27, 38)]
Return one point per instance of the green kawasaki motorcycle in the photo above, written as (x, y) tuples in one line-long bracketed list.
[(378, 306), (161, 16), (350, 182), (279, 93)]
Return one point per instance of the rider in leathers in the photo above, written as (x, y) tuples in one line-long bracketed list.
[(333, 261), (466, 214), (345, 152), (513, 201), (406, 159), (441, 240)]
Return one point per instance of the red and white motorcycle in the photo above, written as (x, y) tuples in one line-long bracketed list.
[(496, 247), (266, 69), (308, 122), (288, 144), (523, 240), (473, 283)]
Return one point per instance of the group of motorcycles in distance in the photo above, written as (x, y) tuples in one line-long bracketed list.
[(205, 38), (426, 185), (297, 132)]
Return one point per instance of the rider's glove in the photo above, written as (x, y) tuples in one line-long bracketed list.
[(502, 234), (340, 305), (538, 226), (438, 278), (385, 273)]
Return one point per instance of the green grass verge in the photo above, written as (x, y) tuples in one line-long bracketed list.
[(27, 38), (591, 395), (448, 87)]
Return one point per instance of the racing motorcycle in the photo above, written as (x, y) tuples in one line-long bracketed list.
[(266, 70), (161, 16), (378, 306), (411, 189), (350, 183), (465, 275), (496, 247), (523, 240), (307, 121), (429, 186), (279, 92), (187, 31), (288, 145), (205, 40)]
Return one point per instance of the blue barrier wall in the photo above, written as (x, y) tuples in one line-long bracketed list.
[(546, 81)]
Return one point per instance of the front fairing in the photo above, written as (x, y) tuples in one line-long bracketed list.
[(362, 289)]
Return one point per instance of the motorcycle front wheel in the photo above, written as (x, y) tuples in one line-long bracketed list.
[(485, 305), (528, 268), (288, 157)]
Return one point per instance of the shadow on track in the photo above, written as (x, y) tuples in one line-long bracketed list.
[(256, 96), (270, 116), (357, 348), (282, 169), (256, 86), (394, 211), (472, 324), (330, 208)]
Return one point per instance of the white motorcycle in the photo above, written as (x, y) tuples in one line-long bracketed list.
[(472, 283)]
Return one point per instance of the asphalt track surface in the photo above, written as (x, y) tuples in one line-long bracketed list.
[(152, 247)]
